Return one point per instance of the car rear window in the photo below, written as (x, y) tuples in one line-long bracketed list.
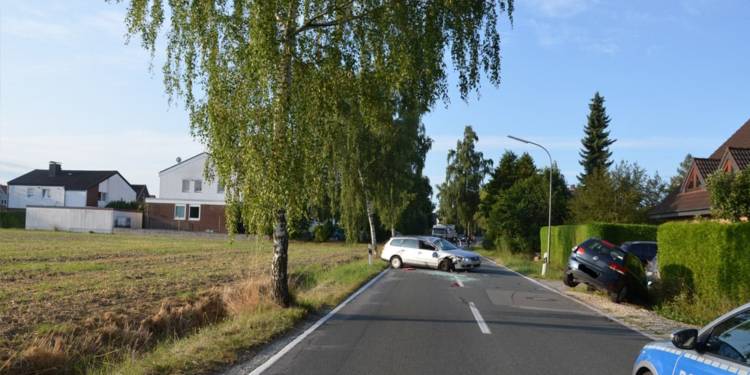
[(603, 248), (397, 242)]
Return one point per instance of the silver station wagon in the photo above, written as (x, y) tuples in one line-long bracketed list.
[(432, 252)]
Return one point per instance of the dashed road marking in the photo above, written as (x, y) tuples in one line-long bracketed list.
[(480, 321)]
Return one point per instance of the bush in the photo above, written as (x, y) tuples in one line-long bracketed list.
[(705, 268), (122, 205), (564, 237), (323, 232), (15, 219)]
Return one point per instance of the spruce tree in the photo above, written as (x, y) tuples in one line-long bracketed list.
[(595, 154)]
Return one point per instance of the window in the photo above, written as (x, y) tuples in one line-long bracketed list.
[(185, 186), (220, 188), (45, 193), (29, 192), (195, 213), (426, 246), (197, 186), (102, 196), (411, 243), (179, 212), (731, 338), (397, 242)]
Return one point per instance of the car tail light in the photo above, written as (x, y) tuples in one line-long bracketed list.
[(617, 268), (579, 250), (607, 243)]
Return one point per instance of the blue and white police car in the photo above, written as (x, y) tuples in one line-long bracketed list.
[(721, 347)]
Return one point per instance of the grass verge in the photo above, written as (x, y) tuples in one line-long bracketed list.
[(218, 345), (521, 263)]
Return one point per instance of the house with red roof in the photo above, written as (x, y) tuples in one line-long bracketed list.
[(692, 199)]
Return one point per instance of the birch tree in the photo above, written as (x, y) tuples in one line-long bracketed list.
[(268, 84)]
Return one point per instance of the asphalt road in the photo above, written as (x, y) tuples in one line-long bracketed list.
[(430, 322)]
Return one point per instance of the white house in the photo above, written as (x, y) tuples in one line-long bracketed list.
[(68, 188), (187, 201)]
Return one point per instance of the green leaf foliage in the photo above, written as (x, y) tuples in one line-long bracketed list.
[(704, 267), (519, 211), (624, 195), (459, 195), (595, 155), (286, 95), (730, 194), (14, 219), (564, 237)]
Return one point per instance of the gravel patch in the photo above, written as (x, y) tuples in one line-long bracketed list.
[(634, 316)]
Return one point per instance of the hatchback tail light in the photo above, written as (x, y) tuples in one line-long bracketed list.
[(579, 250), (617, 268)]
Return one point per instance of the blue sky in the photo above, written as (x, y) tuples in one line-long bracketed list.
[(674, 74)]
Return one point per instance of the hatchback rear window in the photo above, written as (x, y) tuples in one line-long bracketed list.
[(397, 242), (602, 248)]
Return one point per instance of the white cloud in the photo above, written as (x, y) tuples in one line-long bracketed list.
[(560, 8)]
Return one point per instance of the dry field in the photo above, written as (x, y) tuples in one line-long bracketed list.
[(91, 298)]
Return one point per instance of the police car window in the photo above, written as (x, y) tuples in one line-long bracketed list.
[(731, 338)]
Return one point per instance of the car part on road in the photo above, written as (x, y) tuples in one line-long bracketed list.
[(396, 262)]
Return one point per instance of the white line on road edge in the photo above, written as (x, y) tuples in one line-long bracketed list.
[(584, 304), (480, 321), (259, 370)]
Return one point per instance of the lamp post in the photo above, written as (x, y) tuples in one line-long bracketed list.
[(549, 211)]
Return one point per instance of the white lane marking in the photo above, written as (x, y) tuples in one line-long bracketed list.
[(259, 370), (592, 308), (480, 321), (458, 282)]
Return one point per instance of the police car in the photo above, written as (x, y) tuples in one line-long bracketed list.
[(721, 347)]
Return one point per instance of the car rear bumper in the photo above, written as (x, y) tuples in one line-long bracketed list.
[(607, 281)]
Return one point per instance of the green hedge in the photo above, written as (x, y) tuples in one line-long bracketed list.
[(564, 237), (705, 264), (16, 219)]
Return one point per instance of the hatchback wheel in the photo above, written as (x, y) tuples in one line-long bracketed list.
[(619, 296), (396, 262), (570, 281)]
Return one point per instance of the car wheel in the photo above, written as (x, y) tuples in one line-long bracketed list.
[(645, 372), (570, 281), (396, 262), (619, 296), (445, 265)]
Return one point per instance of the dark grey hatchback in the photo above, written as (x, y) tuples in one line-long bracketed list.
[(608, 268)]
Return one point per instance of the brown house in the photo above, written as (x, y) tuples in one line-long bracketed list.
[(187, 201), (692, 199)]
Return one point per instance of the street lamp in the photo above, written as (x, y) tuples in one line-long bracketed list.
[(549, 216)]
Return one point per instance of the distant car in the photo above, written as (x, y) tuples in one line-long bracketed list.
[(644, 250), (445, 231), (608, 268), (721, 347), (432, 252)]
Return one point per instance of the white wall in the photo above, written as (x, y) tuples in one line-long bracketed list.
[(18, 196), (170, 181), (69, 219), (75, 198), (78, 219), (117, 189)]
